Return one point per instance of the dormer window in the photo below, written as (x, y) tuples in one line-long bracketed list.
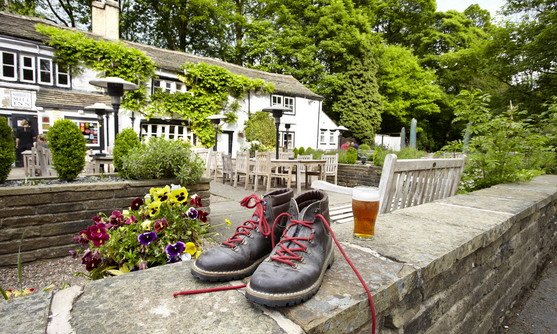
[(62, 76), (27, 69), (167, 85), (8, 69)]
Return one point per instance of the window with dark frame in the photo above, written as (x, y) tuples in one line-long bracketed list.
[(9, 66), (27, 69), (45, 71), (285, 101), (62, 76)]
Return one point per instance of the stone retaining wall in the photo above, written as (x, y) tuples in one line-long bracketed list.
[(451, 266), (358, 175), (48, 216)]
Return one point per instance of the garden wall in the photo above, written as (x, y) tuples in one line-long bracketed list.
[(48, 216), (358, 175), (451, 266)]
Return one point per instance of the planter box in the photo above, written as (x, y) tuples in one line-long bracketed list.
[(358, 175), (48, 216)]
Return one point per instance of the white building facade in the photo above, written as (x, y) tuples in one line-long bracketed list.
[(34, 87)]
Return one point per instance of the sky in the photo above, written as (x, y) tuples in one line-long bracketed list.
[(492, 5)]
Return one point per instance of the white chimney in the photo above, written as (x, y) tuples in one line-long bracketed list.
[(106, 18)]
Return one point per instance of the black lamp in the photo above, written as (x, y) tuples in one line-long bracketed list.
[(215, 119), (100, 109), (115, 88), (277, 114)]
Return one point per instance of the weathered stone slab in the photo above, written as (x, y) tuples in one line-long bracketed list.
[(518, 207), (519, 192), (142, 302), (25, 314)]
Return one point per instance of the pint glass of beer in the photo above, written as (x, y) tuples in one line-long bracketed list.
[(365, 206)]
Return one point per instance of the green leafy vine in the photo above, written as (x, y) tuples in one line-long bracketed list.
[(209, 89), (76, 50)]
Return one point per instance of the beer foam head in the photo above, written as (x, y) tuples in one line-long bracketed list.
[(368, 194)]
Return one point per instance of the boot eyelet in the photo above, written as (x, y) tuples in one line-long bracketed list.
[(302, 259)]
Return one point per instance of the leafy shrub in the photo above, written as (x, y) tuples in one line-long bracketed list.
[(68, 149), (364, 147), (161, 228), (124, 142), (380, 153), (7, 149), (261, 127), (503, 147), (349, 156), (301, 151), (162, 159)]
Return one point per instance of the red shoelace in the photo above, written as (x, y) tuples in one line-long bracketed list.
[(250, 224), (287, 255)]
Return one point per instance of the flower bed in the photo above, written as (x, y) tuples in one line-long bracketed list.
[(164, 226), (46, 217)]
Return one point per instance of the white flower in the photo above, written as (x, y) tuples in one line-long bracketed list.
[(185, 256), (175, 187)]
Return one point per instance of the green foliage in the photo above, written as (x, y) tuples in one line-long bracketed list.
[(359, 106), (75, 50), (379, 154), (209, 88), (7, 149), (502, 148), (349, 156), (162, 159), (124, 142), (364, 147), (68, 149), (260, 127), (161, 228)]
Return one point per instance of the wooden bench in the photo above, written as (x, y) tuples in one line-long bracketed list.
[(410, 182)]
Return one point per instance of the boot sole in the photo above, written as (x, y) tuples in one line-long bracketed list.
[(224, 276), (293, 298)]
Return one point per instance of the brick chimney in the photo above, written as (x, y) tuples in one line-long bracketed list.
[(106, 18)]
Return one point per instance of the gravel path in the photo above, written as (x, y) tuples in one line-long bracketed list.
[(44, 273)]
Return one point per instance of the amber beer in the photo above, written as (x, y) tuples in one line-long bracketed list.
[(365, 207)]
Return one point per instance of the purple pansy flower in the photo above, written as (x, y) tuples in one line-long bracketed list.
[(146, 238), (175, 249), (192, 213)]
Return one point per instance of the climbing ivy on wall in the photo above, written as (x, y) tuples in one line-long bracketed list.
[(76, 50), (211, 89)]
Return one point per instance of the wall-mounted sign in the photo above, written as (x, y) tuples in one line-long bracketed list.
[(21, 99), (90, 131)]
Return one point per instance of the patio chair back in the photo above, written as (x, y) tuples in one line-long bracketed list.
[(262, 169), (304, 157), (286, 155), (227, 168), (331, 165), (241, 168)]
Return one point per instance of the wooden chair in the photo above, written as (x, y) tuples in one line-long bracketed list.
[(215, 165), (205, 155), (331, 166), (242, 168), (410, 182), (286, 155), (227, 168), (262, 169), (44, 158)]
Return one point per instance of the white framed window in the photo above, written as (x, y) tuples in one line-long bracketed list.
[(45, 71), (27, 69), (331, 137), (322, 137), (285, 101), (8, 68), (62, 76), (166, 85), (286, 139)]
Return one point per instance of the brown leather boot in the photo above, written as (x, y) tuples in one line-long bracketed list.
[(252, 242), (294, 271)]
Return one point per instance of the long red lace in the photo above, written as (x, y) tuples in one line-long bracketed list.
[(250, 224), (287, 255)]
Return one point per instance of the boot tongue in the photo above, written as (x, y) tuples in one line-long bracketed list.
[(298, 230)]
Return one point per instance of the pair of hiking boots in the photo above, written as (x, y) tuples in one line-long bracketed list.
[(285, 247)]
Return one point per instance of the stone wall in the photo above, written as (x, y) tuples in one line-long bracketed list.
[(358, 175), (451, 266), (48, 216)]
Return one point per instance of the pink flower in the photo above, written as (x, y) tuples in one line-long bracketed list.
[(160, 224), (130, 220), (97, 234)]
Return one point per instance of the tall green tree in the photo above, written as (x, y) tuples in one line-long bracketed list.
[(360, 104)]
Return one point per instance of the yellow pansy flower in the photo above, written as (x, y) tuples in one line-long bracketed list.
[(190, 248), (179, 195), (154, 208)]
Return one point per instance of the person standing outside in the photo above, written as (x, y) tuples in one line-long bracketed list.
[(25, 137)]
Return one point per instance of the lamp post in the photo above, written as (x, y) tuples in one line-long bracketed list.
[(277, 114), (287, 127), (100, 109), (215, 119), (115, 88), (340, 128)]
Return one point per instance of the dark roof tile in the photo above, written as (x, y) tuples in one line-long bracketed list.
[(68, 99)]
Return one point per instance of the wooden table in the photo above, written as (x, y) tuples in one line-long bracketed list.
[(297, 164)]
